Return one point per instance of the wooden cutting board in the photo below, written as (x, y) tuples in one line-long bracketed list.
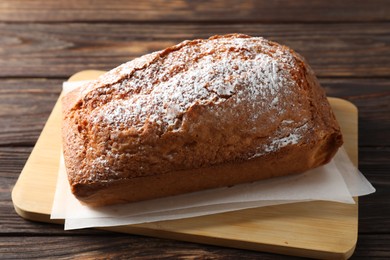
[(311, 229)]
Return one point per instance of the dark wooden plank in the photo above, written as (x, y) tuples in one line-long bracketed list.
[(59, 50), (116, 247), (25, 106), (376, 160), (137, 247), (372, 246), (372, 97), (12, 160), (374, 210), (180, 10)]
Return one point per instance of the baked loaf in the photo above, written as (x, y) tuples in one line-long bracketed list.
[(198, 115)]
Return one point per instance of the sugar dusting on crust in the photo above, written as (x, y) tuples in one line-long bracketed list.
[(243, 70), (276, 143)]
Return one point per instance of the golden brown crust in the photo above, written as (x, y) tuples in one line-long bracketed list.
[(201, 114)]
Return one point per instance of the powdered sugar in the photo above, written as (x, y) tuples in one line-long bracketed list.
[(275, 144), (293, 138), (169, 86)]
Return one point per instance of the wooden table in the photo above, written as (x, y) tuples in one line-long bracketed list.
[(42, 43)]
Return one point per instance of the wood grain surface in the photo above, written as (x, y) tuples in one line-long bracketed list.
[(61, 49), (194, 11), (43, 42)]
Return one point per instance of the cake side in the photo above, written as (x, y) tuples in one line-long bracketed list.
[(327, 130)]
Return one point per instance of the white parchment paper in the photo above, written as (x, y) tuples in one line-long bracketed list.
[(337, 181)]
